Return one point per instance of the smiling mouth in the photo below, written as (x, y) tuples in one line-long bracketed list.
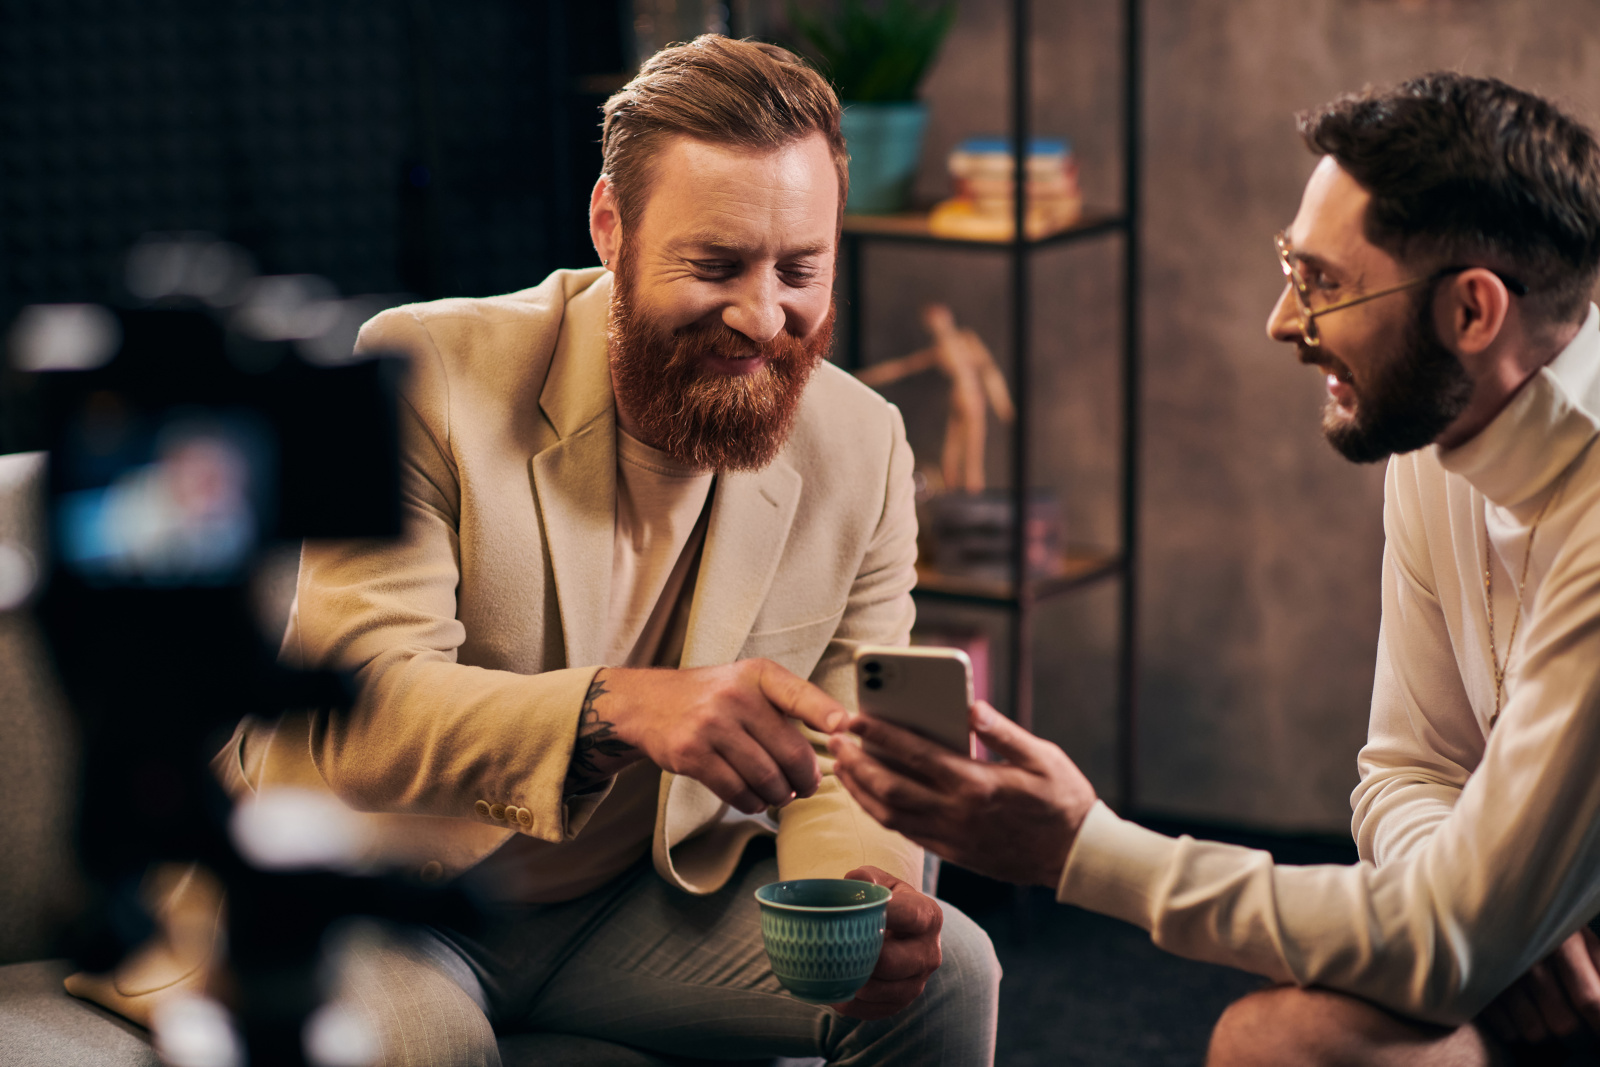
[(744, 363), (1331, 367)]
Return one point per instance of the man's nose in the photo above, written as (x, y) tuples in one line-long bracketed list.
[(1284, 322), (755, 310)]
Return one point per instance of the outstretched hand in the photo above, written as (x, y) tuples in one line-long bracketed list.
[(910, 954), (1014, 820)]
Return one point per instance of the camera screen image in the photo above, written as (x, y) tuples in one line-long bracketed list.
[(173, 498)]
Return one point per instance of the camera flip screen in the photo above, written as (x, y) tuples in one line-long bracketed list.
[(176, 497)]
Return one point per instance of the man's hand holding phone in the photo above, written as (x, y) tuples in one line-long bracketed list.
[(1013, 820)]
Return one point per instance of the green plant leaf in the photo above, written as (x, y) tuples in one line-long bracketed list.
[(875, 54)]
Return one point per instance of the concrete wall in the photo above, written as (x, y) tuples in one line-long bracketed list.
[(1262, 547)]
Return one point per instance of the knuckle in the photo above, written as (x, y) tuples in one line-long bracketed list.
[(790, 759), (981, 791)]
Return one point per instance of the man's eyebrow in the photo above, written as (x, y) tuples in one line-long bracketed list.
[(1313, 260), (715, 241)]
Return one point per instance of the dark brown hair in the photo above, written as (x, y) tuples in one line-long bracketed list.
[(720, 90), (1472, 170)]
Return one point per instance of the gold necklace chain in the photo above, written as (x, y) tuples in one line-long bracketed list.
[(1488, 591)]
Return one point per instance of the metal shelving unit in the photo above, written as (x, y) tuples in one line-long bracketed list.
[(1083, 566)]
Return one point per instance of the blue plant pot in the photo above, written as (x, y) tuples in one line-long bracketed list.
[(885, 141)]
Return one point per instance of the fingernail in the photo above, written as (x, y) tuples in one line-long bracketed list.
[(836, 721), (982, 717)]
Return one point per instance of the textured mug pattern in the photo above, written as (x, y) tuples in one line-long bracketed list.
[(823, 957)]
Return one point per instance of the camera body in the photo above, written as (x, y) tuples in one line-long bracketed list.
[(184, 444)]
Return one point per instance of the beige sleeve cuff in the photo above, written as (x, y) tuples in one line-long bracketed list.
[(520, 783), (1114, 867)]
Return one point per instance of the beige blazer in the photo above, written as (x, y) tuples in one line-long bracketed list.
[(475, 637)]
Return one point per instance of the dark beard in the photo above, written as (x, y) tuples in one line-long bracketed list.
[(703, 419), (1409, 401)]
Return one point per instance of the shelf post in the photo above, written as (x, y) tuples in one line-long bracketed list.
[(1021, 330), (852, 358), (1128, 621)]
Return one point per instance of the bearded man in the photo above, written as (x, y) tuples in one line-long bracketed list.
[(646, 527), (1440, 272)]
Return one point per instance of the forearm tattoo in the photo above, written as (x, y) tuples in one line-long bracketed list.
[(598, 750)]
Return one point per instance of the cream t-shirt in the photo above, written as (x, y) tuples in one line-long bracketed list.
[(660, 525), (655, 554)]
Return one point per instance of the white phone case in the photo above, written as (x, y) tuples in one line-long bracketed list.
[(925, 689)]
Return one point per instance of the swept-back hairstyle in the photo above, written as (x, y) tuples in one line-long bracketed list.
[(724, 91), (1472, 170)]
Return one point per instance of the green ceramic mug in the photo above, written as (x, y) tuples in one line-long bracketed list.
[(822, 935)]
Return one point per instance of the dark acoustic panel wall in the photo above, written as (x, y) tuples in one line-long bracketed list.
[(404, 146)]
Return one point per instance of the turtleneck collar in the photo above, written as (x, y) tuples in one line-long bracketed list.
[(1541, 430)]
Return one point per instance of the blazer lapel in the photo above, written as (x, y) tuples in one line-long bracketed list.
[(750, 518), (575, 479)]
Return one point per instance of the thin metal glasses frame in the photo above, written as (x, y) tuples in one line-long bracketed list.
[(1302, 291)]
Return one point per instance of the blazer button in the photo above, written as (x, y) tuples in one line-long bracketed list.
[(432, 871), (482, 808), (524, 817), (497, 812)]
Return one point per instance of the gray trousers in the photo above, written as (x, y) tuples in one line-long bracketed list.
[(640, 963)]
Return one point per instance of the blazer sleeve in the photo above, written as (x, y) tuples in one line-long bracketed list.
[(827, 834), (427, 735)]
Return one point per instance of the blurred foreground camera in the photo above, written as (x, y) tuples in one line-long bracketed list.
[(214, 417)]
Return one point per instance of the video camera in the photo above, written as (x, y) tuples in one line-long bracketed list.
[(214, 417)]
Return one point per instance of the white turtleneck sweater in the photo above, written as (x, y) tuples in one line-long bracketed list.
[(1480, 851)]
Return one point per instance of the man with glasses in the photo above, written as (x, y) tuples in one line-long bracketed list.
[(1439, 274)]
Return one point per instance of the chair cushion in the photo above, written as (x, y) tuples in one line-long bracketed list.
[(41, 1026)]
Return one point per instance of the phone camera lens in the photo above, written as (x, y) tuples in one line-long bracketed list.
[(873, 683), (872, 666)]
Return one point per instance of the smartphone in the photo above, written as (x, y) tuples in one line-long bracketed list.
[(925, 689)]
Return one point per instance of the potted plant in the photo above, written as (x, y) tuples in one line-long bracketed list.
[(876, 57)]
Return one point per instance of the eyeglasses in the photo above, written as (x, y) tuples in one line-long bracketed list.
[(1302, 291)]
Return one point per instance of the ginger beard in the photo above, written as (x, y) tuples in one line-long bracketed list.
[(1410, 399), (703, 418)]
